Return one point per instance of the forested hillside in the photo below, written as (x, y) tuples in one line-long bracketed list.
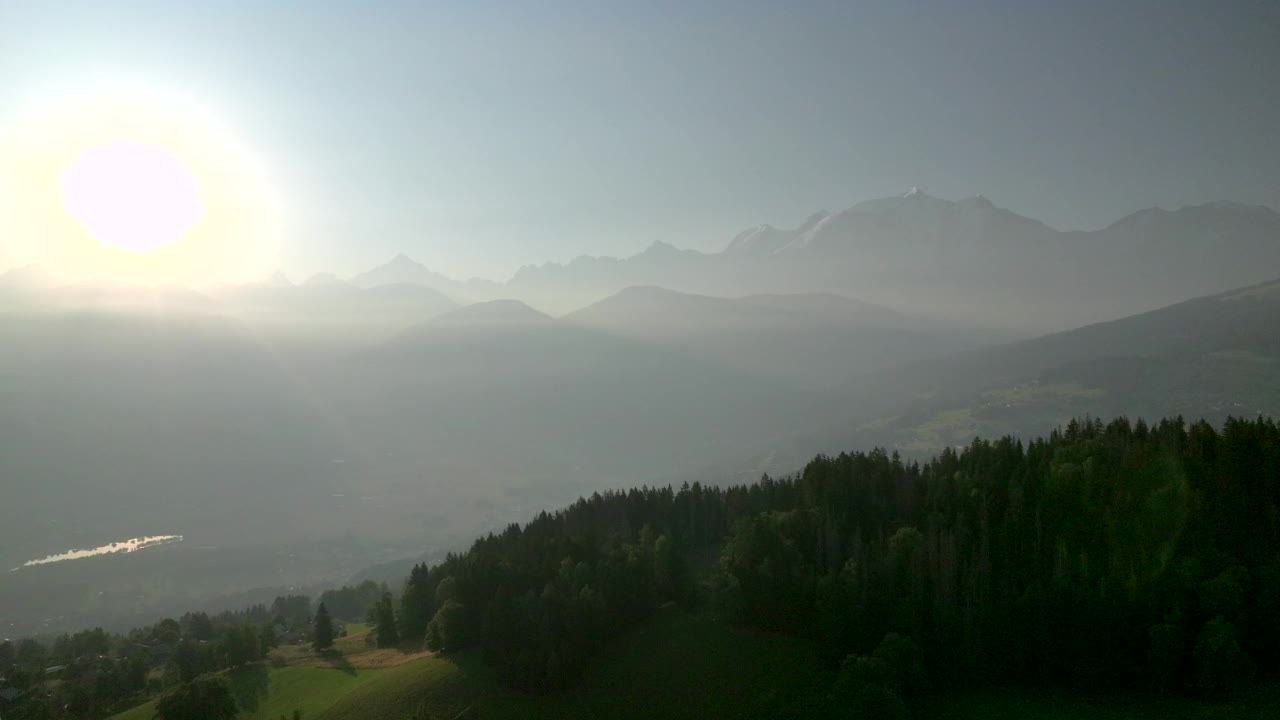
[(1104, 557)]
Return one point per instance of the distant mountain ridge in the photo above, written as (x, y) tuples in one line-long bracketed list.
[(668, 311), (887, 222), (491, 313), (966, 261), (399, 269), (963, 260), (809, 341), (1210, 357), (404, 270)]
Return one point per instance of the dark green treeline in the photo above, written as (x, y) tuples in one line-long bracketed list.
[(1105, 556)]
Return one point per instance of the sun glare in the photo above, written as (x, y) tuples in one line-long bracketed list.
[(129, 184), (133, 196)]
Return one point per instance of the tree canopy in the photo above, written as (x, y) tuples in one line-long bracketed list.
[(1105, 556), (322, 637)]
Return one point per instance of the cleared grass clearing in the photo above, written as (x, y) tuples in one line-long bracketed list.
[(311, 682), (266, 694), (352, 651), (446, 687), (383, 658)]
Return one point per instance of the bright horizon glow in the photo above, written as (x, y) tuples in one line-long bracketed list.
[(133, 196), (125, 183)]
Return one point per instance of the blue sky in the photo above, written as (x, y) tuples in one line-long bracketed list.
[(478, 136)]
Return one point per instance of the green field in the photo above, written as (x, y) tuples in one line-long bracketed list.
[(447, 687), (266, 694), (679, 665)]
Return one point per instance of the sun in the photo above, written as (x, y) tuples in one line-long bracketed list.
[(132, 196), (128, 183)]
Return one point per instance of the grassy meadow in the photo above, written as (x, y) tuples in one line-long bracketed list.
[(678, 665)]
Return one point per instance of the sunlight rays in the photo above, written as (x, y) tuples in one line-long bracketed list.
[(126, 184)]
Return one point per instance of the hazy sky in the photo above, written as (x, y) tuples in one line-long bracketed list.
[(478, 137)]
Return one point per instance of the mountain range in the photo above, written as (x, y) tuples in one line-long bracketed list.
[(410, 410), (966, 262), (1212, 357), (959, 261), (806, 341)]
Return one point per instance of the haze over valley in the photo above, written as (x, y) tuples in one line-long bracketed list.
[(487, 360), (384, 411)]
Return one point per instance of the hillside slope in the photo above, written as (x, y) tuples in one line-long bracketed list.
[(807, 341), (1209, 358), (703, 667), (679, 665)]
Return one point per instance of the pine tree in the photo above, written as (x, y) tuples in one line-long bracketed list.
[(416, 605), (387, 635), (323, 638)]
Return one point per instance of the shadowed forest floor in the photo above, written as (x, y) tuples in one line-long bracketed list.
[(995, 703)]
